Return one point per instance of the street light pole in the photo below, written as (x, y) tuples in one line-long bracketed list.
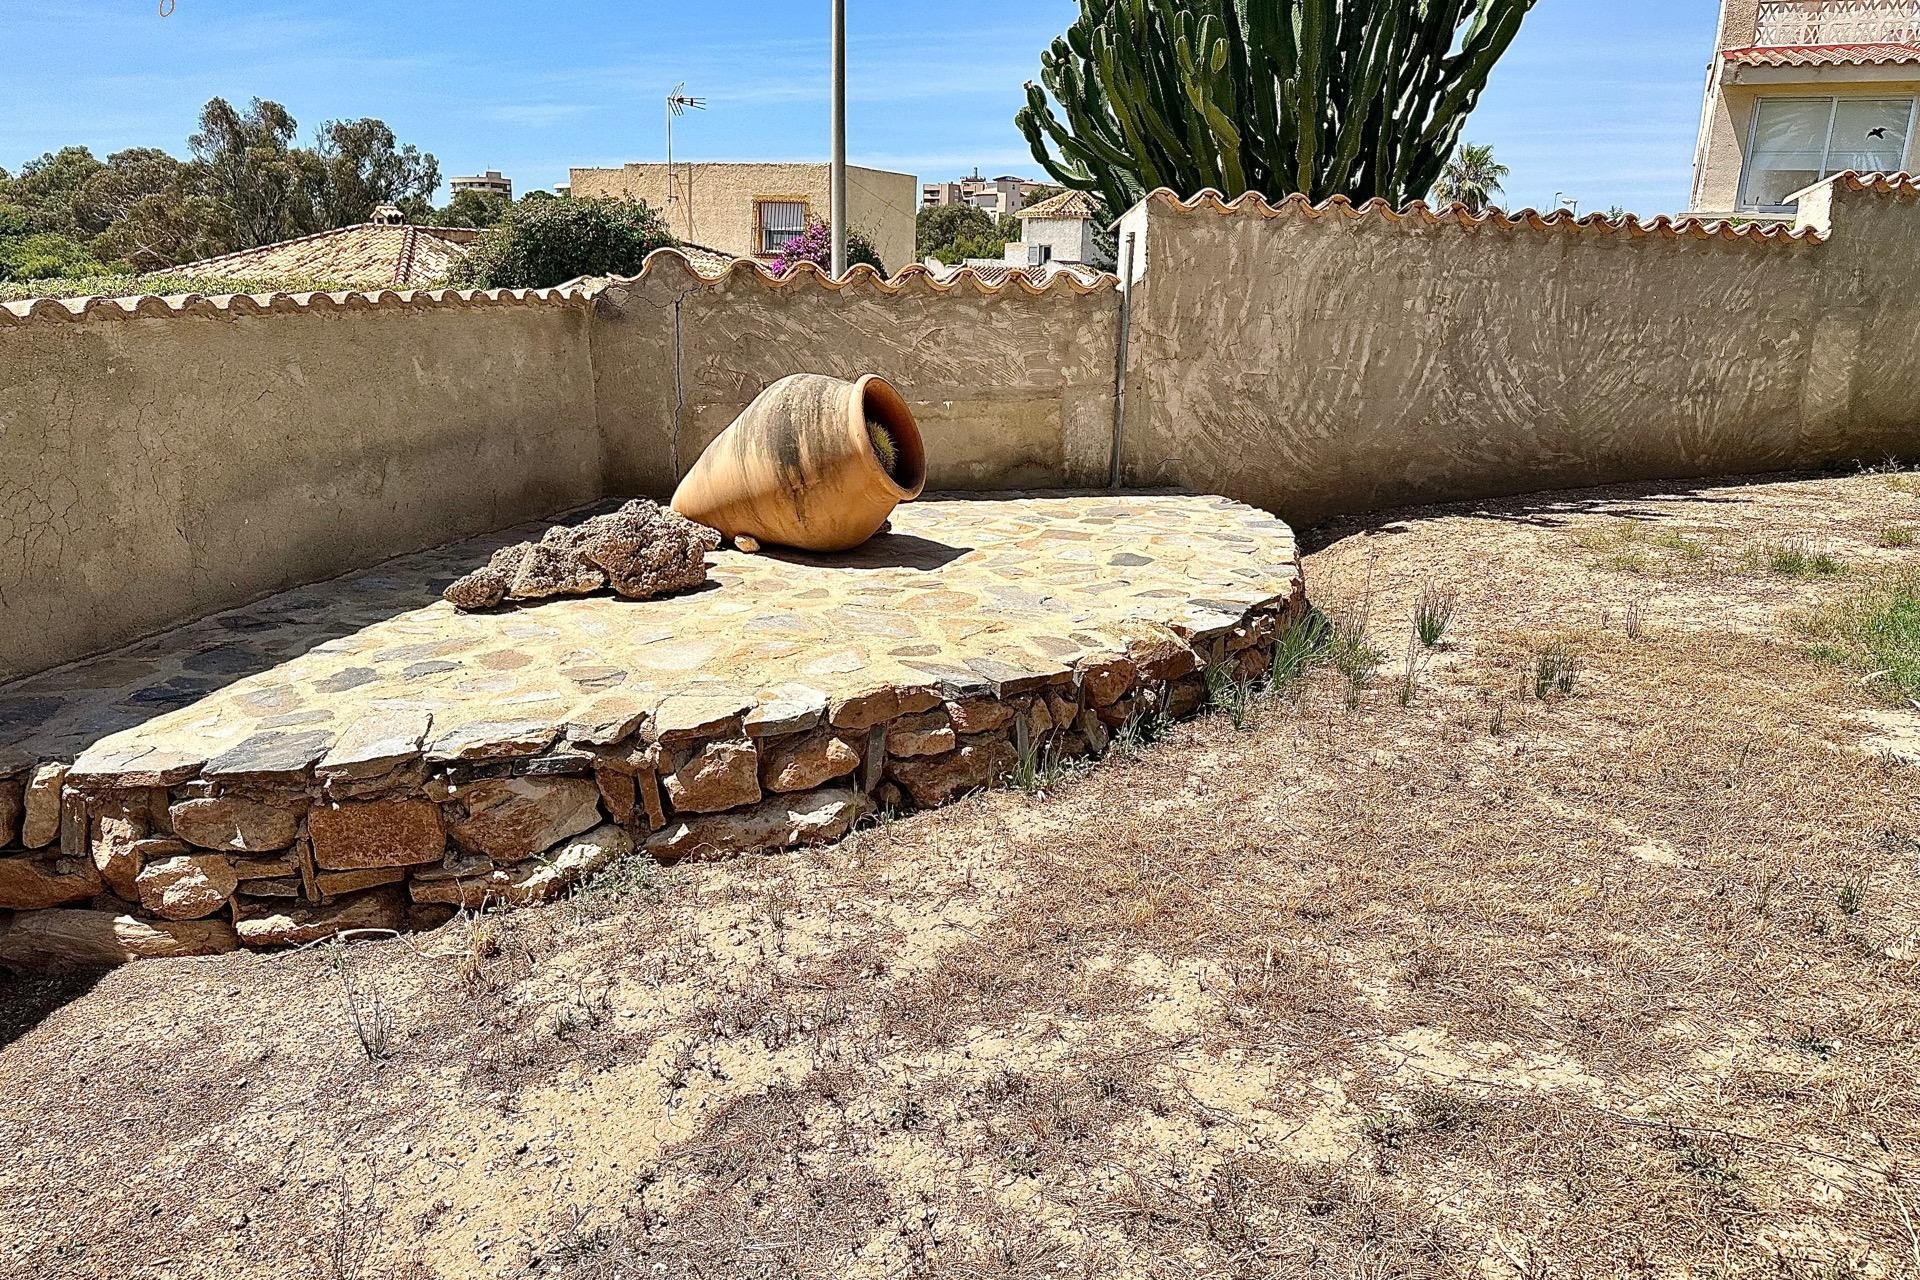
[(839, 179)]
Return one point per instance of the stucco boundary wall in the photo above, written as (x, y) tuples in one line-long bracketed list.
[(1012, 384), (169, 458), (1330, 360)]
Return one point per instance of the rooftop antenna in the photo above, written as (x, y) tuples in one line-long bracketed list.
[(678, 103)]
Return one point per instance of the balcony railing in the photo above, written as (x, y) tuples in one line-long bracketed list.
[(1801, 22)]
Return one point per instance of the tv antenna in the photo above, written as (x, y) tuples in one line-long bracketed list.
[(679, 102)]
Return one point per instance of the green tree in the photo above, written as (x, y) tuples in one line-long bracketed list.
[(358, 165), (472, 209), (541, 243), (1359, 98), (256, 179), (48, 188), (1471, 178), (41, 254), (937, 230)]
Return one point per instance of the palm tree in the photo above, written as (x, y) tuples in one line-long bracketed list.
[(1471, 178)]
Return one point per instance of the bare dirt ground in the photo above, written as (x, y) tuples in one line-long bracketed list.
[(1595, 950)]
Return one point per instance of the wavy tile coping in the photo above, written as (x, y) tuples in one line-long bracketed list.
[(1420, 215), (359, 755), (863, 278)]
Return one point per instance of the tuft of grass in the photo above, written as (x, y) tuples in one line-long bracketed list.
[(1896, 537), (1799, 558), (1674, 540), (1877, 630), (1227, 692), (1410, 674), (1297, 646), (1636, 619), (1433, 614), (1555, 671), (1353, 655)]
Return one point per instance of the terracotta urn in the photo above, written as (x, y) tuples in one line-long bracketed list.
[(815, 462)]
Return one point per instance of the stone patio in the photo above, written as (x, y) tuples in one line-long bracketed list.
[(357, 754)]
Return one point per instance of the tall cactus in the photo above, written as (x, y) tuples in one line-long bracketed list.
[(1360, 98)]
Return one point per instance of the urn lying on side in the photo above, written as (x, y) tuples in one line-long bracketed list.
[(815, 462)]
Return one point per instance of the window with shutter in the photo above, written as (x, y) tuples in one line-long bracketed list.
[(780, 221)]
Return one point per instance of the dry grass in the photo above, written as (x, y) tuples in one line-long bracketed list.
[(1618, 980)]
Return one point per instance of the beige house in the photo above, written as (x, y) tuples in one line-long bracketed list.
[(998, 196), (751, 210), (1803, 89)]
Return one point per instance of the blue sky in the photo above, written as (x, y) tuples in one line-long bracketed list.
[(1599, 98)]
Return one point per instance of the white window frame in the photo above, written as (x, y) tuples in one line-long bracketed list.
[(1833, 102), (762, 249)]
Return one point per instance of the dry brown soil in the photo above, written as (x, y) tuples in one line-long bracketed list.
[(1621, 981)]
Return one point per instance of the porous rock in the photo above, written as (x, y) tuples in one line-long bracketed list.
[(816, 817), (805, 761), (190, 887), (228, 824), (356, 834), (87, 939), (934, 780), (719, 775), (34, 884), (513, 818), (535, 879), (276, 924), (641, 551)]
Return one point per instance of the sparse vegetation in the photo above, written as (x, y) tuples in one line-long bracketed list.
[(1555, 671), (1876, 629), (1897, 537), (1799, 558), (1433, 613)]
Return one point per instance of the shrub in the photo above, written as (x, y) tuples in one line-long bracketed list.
[(815, 245), (44, 254), (541, 243), (1877, 629)]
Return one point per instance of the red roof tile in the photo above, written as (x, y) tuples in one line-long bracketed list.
[(1824, 55)]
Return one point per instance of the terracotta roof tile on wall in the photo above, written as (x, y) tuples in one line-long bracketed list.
[(1824, 55), (370, 255)]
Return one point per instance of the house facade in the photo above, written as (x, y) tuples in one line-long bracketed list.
[(752, 210), (998, 196), (1800, 90)]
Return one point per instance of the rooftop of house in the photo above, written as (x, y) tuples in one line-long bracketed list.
[(370, 255), (1885, 53), (1068, 204)]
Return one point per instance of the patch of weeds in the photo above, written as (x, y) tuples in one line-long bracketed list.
[(1696, 1155), (1497, 719), (1433, 614), (1040, 765), (1628, 560), (1298, 645), (1147, 725), (636, 876), (1409, 685), (1636, 620), (1674, 540), (1228, 692), (1896, 537), (1555, 671), (1849, 898), (1353, 655), (366, 1008), (1799, 558), (1876, 630)]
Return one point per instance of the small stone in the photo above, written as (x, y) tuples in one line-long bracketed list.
[(719, 775), (816, 817), (274, 925), (1107, 682), (617, 795), (187, 888), (88, 939), (41, 823), (928, 734), (747, 544), (513, 818), (804, 762), (228, 824), (979, 715), (376, 833), (34, 884), (934, 780), (535, 879)]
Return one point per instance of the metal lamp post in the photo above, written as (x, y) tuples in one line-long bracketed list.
[(839, 179)]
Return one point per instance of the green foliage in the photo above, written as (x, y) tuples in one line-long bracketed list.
[(955, 232), (473, 209), (43, 254), (1360, 98), (163, 283), (251, 169), (541, 243), (1877, 629), (357, 165), (1471, 178)]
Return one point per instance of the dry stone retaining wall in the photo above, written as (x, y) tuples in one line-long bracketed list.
[(123, 856)]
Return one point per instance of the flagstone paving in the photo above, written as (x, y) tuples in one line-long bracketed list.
[(904, 672)]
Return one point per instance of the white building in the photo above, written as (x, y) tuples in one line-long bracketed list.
[(490, 183)]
